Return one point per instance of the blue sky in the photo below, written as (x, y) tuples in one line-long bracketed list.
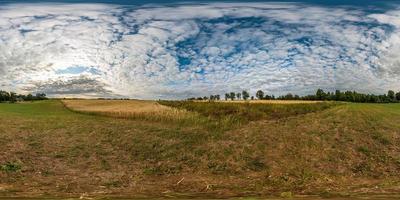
[(164, 49)]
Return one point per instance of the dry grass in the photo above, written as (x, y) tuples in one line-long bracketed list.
[(140, 109), (128, 106)]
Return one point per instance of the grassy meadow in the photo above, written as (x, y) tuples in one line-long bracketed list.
[(198, 149)]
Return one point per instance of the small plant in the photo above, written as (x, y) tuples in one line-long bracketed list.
[(10, 167), (364, 150), (287, 195)]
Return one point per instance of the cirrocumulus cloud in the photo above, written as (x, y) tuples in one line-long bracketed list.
[(181, 50)]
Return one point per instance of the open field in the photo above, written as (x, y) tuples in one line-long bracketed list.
[(281, 150)]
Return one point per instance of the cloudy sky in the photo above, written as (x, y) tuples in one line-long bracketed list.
[(164, 49)]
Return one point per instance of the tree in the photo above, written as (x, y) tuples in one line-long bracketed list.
[(245, 95), (13, 97), (320, 94), (29, 97), (338, 95), (398, 96), (227, 96), (232, 96), (4, 96), (391, 95), (41, 96), (288, 96), (260, 94), (238, 95)]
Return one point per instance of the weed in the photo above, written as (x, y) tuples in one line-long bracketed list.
[(10, 167), (364, 150)]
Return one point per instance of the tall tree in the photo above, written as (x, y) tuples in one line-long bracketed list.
[(13, 97), (320, 94), (260, 94), (338, 95), (245, 95), (227, 96), (238, 95), (398, 96), (232, 96), (391, 95)]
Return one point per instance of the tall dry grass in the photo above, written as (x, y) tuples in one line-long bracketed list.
[(215, 116), (232, 113), (131, 109)]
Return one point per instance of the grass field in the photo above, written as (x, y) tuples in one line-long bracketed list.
[(281, 150)]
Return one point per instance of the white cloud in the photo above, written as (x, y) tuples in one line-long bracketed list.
[(136, 51)]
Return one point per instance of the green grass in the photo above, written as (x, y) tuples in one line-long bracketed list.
[(46, 149)]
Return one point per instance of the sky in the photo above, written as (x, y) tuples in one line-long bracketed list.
[(162, 49)]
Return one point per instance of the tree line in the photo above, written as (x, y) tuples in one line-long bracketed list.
[(14, 97), (320, 95)]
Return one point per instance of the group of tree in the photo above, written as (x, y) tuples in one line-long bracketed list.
[(211, 98), (353, 96), (320, 95), (240, 95), (14, 97)]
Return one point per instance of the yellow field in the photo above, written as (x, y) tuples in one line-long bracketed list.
[(126, 108), (129, 106)]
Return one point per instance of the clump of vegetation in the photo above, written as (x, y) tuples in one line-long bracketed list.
[(14, 97), (229, 114), (320, 95), (10, 167)]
